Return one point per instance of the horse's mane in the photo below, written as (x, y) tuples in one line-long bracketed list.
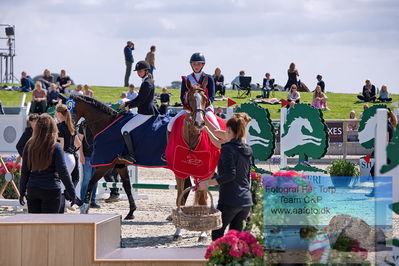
[(95, 103)]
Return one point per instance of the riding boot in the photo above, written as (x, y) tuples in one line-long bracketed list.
[(129, 157)]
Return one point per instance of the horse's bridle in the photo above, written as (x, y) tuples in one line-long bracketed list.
[(193, 113)]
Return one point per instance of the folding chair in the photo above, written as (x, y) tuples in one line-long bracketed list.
[(245, 87)]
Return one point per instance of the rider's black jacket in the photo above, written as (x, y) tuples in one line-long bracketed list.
[(145, 100)]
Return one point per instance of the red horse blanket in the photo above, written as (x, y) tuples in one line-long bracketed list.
[(199, 163)]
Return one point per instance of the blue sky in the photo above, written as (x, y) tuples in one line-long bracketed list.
[(345, 41)]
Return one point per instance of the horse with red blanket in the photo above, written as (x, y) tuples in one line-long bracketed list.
[(189, 152)]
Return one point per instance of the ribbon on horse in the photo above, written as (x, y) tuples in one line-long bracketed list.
[(149, 142), (201, 162)]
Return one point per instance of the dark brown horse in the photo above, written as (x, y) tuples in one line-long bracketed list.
[(98, 116)]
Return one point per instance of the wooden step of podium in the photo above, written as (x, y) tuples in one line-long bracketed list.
[(74, 239)]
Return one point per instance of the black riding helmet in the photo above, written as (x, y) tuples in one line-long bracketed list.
[(142, 65), (197, 57)]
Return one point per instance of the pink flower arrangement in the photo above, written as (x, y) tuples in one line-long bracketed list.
[(234, 247), (10, 166)]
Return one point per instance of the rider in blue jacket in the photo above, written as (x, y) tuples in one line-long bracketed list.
[(197, 62)]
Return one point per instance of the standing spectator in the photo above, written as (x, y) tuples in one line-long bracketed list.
[(43, 166), (293, 96), (123, 98), (320, 82), (52, 96), (131, 94), (150, 59), (384, 95), (233, 178), (165, 99), (26, 83), (46, 79), (128, 60), (39, 99), (353, 126), (267, 85), (219, 112), (236, 81), (87, 91), (368, 94), (64, 82), (85, 152), (77, 90), (32, 119), (319, 99), (292, 77), (219, 80), (66, 137), (112, 176)]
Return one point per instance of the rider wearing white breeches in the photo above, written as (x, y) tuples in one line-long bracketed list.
[(146, 108), (197, 62)]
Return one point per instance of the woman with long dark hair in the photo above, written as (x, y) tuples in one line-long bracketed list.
[(43, 167), (292, 76)]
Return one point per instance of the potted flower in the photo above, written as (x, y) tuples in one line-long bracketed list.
[(235, 248), (342, 172)]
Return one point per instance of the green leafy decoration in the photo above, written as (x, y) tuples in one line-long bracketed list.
[(368, 114)]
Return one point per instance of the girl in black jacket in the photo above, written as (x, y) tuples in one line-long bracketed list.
[(233, 178), (42, 168)]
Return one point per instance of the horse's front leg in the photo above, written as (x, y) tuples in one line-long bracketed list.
[(201, 198), (98, 174), (182, 184), (128, 190)]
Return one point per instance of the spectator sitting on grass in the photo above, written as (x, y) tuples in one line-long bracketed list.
[(87, 91), (384, 95), (77, 90), (131, 94), (26, 83), (64, 82), (219, 80), (123, 98), (294, 95), (219, 112), (46, 79), (368, 94), (52, 96), (319, 99), (39, 99)]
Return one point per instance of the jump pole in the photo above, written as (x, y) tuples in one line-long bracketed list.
[(144, 186)]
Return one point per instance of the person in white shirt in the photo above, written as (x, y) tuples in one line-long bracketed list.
[(131, 94), (123, 98), (236, 81), (77, 90)]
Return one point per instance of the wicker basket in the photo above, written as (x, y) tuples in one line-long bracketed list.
[(196, 218)]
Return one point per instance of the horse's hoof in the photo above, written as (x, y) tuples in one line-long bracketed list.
[(202, 239), (169, 218), (84, 209), (129, 217), (177, 238)]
